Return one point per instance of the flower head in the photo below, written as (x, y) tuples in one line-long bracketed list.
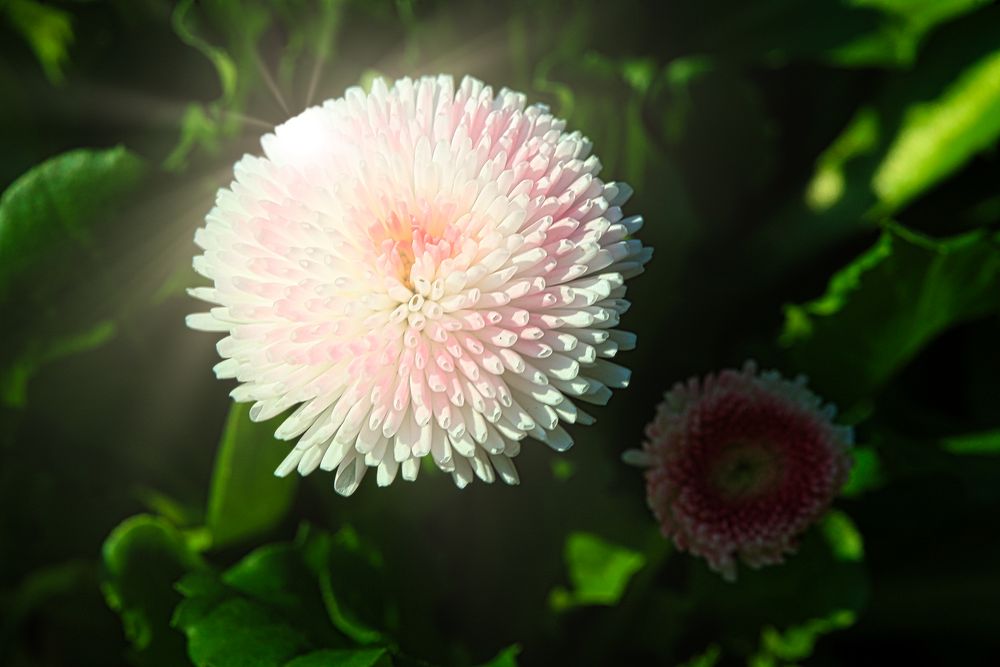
[(423, 270), (740, 463)]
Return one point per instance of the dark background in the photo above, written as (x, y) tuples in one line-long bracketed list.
[(757, 136)]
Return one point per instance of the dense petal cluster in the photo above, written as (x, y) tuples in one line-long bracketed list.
[(423, 270), (740, 463)]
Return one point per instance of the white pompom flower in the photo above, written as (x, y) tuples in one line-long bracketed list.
[(423, 270)]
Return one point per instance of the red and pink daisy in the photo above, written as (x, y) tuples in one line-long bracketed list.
[(739, 464)]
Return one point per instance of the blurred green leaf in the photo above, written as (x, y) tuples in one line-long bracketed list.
[(48, 31), (883, 307), (709, 658), (365, 657), (843, 536), (829, 183), (866, 472), (505, 658), (797, 642), (939, 136), (246, 499), (906, 22), (48, 220), (143, 558), (57, 203), (598, 571), (40, 351), (987, 442)]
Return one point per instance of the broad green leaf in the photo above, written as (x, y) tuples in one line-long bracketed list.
[(302, 601), (986, 442), (882, 308), (49, 223), (241, 633), (349, 571), (246, 499), (48, 31), (143, 559), (939, 136), (843, 536), (56, 204), (364, 657), (598, 571)]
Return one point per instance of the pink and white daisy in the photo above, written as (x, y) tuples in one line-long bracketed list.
[(423, 270), (739, 464)]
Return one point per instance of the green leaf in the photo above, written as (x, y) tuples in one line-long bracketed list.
[(240, 633), (843, 536), (709, 658), (285, 602), (56, 204), (246, 499), (986, 442), (866, 472), (365, 657), (349, 571), (40, 351), (906, 23), (939, 136), (598, 571), (882, 308), (48, 31), (505, 658), (797, 642), (143, 558), (49, 219)]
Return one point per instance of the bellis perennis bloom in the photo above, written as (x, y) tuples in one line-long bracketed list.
[(422, 270), (740, 463)]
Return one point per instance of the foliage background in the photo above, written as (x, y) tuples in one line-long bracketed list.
[(819, 181)]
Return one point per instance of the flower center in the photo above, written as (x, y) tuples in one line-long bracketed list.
[(745, 469), (406, 239)]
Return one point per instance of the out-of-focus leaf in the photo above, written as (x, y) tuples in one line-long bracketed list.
[(598, 571), (906, 22), (505, 658), (48, 30), (364, 657), (987, 442), (38, 352), (48, 220), (843, 536), (205, 126), (56, 204), (939, 136), (866, 472), (886, 305), (797, 642), (143, 559), (707, 659), (829, 182), (246, 499)]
